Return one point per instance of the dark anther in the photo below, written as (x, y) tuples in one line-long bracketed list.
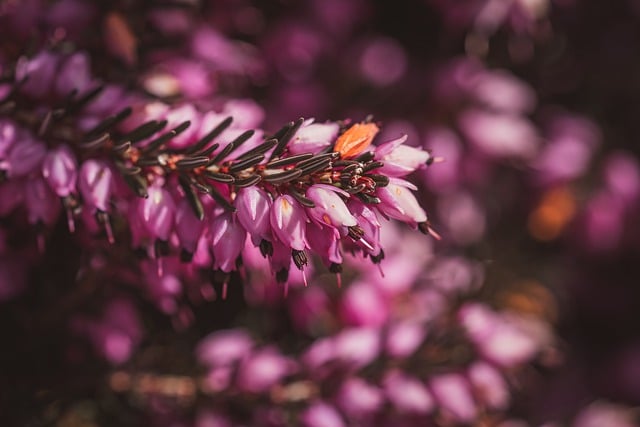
[(299, 258), (213, 133), (335, 268), (161, 248), (289, 160), (209, 150), (246, 163), (286, 137), (279, 178), (220, 177), (192, 163), (431, 159), (282, 275), (356, 189), (186, 256), (192, 197), (247, 182), (266, 248), (368, 199), (222, 154), (355, 232), (376, 259)]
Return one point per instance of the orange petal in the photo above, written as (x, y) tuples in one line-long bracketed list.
[(355, 139)]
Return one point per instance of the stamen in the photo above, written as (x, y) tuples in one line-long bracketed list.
[(225, 288), (266, 248), (425, 228), (299, 258)]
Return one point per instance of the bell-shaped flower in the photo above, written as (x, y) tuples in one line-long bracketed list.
[(74, 74), (400, 159), (453, 394), (96, 184), (313, 137), (158, 213), (489, 385), (320, 414), (228, 239), (329, 208), (324, 242), (358, 399), (224, 347), (288, 221), (188, 227), (39, 73), (399, 203), (407, 394), (60, 170), (42, 204), (368, 222), (25, 156), (254, 206), (262, 369), (8, 133)]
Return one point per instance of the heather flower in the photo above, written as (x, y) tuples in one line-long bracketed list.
[(322, 414), (453, 394), (407, 394), (313, 137)]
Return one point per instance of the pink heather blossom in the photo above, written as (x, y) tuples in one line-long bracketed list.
[(399, 159), (313, 137), (158, 213), (188, 226), (60, 170), (320, 414), (489, 385), (399, 203), (363, 305), (404, 338), (262, 369), (42, 204), (358, 398), (453, 394), (288, 221), (407, 394), (500, 135), (254, 206), (74, 75), (329, 208), (38, 72), (228, 238), (96, 183), (224, 347), (25, 156)]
